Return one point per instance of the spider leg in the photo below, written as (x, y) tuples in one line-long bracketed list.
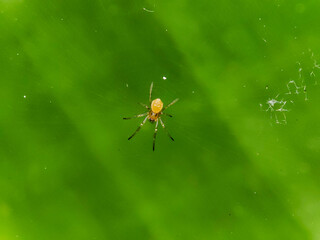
[(144, 121), (144, 105), (170, 104), (137, 116), (150, 92), (164, 127), (155, 134), (167, 114)]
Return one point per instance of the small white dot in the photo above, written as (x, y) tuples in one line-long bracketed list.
[(164, 78), (127, 85), (24, 96)]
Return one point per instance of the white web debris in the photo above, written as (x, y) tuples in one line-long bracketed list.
[(264, 33), (276, 107), (279, 106), (292, 87), (147, 10)]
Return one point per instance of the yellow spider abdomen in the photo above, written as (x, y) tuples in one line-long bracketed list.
[(156, 105)]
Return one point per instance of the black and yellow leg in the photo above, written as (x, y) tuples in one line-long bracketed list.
[(150, 93), (137, 116), (164, 127), (144, 121), (170, 104), (155, 135)]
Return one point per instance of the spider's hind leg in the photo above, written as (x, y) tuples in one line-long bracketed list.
[(150, 93), (167, 114), (145, 105), (170, 104)]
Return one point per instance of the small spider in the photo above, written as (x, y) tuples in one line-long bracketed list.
[(154, 115)]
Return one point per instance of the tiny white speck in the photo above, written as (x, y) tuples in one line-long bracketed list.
[(166, 30), (164, 78), (127, 85), (24, 96), (267, 87)]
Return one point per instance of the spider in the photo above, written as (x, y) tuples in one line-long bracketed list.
[(154, 115)]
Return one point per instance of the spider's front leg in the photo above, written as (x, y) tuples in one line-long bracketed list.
[(136, 116), (164, 127), (144, 121), (155, 134)]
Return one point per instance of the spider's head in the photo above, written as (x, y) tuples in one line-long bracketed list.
[(156, 105)]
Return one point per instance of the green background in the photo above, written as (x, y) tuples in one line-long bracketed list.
[(70, 70)]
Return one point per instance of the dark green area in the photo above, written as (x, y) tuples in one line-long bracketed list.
[(70, 70)]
